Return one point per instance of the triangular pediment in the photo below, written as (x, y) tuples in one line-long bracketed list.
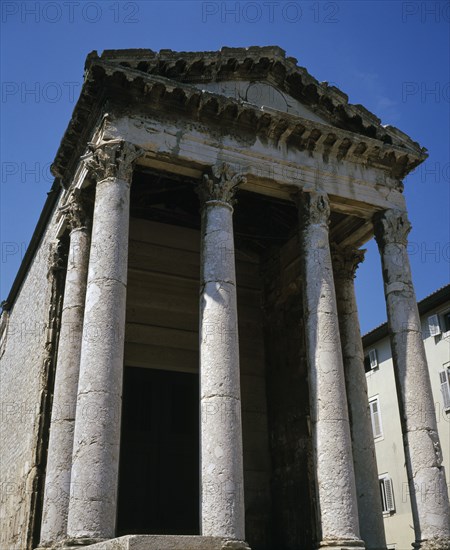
[(262, 94)]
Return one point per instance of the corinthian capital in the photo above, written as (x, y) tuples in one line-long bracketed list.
[(391, 227), (221, 185), (112, 159), (314, 208), (56, 259), (76, 212), (346, 261)]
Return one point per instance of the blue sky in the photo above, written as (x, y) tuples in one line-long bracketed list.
[(390, 56)]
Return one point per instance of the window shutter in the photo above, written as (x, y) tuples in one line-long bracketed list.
[(445, 388), (389, 492), (373, 358), (376, 418), (433, 325)]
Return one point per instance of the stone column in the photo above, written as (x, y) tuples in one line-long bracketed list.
[(426, 476), (59, 462), (95, 459), (345, 263), (222, 490), (332, 450)]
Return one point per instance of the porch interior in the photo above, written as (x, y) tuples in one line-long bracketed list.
[(159, 464)]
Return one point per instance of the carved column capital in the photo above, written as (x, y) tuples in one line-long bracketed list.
[(314, 207), (77, 212), (112, 159), (56, 260), (346, 261), (221, 185), (391, 227)]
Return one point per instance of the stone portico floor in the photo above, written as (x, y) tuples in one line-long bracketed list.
[(164, 542)]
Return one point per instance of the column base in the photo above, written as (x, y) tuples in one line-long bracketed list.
[(154, 542), (342, 544), (71, 543), (436, 543)]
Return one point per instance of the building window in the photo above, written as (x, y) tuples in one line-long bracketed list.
[(444, 378), (446, 321), (387, 494), (375, 416), (434, 325), (446, 318), (439, 324), (371, 360)]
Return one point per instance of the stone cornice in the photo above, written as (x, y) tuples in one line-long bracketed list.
[(108, 80)]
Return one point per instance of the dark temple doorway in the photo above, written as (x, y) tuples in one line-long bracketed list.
[(159, 454)]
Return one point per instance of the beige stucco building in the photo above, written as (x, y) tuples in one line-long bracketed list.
[(181, 361), (435, 324)]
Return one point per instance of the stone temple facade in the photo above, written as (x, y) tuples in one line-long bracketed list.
[(181, 361)]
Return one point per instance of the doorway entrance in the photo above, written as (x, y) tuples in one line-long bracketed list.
[(159, 454)]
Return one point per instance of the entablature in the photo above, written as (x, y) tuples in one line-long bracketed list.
[(270, 169)]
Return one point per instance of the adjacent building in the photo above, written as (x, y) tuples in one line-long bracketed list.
[(434, 313)]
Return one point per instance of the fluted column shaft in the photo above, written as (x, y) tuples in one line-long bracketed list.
[(95, 460), (336, 495), (222, 489), (426, 476), (345, 263), (59, 462)]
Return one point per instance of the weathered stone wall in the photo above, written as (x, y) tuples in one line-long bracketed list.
[(290, 443), (23, 372)]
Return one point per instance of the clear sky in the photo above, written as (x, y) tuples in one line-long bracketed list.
[(390, 56)]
